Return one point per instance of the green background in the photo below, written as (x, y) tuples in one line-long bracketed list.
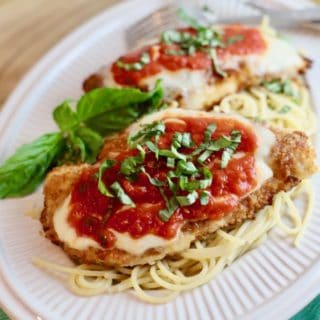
[(310, 312)]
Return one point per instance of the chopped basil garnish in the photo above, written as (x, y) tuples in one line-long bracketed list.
[(186, 168), (283, 87), (155, 129), (131, 165), (204, 198), (135, 66), (172, 153), (211, 128), (234, 39), (121, 195), (185, 177), (171, 206), (182, 140), (189, 43), (230, 150), (215, 61), (285, 109), (229, 144), (101, 186), (171, 162), (173, 52), (153, 181), (187, 200)]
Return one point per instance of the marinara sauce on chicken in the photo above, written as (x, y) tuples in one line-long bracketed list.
[(199, 67), (171, 178)]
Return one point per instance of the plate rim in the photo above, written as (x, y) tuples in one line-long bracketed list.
[(12, 105)]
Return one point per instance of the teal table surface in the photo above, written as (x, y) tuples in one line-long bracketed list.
[(310, 312)]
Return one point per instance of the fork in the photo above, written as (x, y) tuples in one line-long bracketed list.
[(152, 25), (166, 18)]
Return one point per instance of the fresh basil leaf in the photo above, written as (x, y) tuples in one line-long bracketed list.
[(108, 110), (65, 117), (78, 146), (101, 185), (187, 200), (92, 143), (24, 171), (121, 195), (204, 198)]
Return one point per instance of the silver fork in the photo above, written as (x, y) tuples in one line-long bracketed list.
[(152, 25)]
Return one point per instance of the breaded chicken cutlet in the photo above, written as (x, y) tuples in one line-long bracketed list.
[(199, 67), (183, 175)]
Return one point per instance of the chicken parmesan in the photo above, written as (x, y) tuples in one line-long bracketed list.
[(170, 179), (200, 66)]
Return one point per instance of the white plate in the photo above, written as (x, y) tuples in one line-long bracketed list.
[(273, 281)]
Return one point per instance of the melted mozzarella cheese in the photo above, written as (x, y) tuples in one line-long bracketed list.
[(124, 241), (278, 59), (65, 231), (139, 246)]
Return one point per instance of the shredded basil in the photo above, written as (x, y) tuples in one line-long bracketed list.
[(230, 150), (234, 39), (155, 129), (153, 181), (204, 198), (131, 165), (135, 66), (215, 62), (285, 109), (283, 87), (101, 185), (121, 195), (171, 206), (187, 200)]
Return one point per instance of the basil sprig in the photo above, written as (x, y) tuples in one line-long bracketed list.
[(98, 113)]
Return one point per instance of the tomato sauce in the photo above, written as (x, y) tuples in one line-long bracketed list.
[(93, 215), (250, 41)]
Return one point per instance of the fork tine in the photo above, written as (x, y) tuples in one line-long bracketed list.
[(151, 25)]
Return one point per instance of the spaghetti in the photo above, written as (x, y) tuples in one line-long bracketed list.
[(200, 263), (278, 110)]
